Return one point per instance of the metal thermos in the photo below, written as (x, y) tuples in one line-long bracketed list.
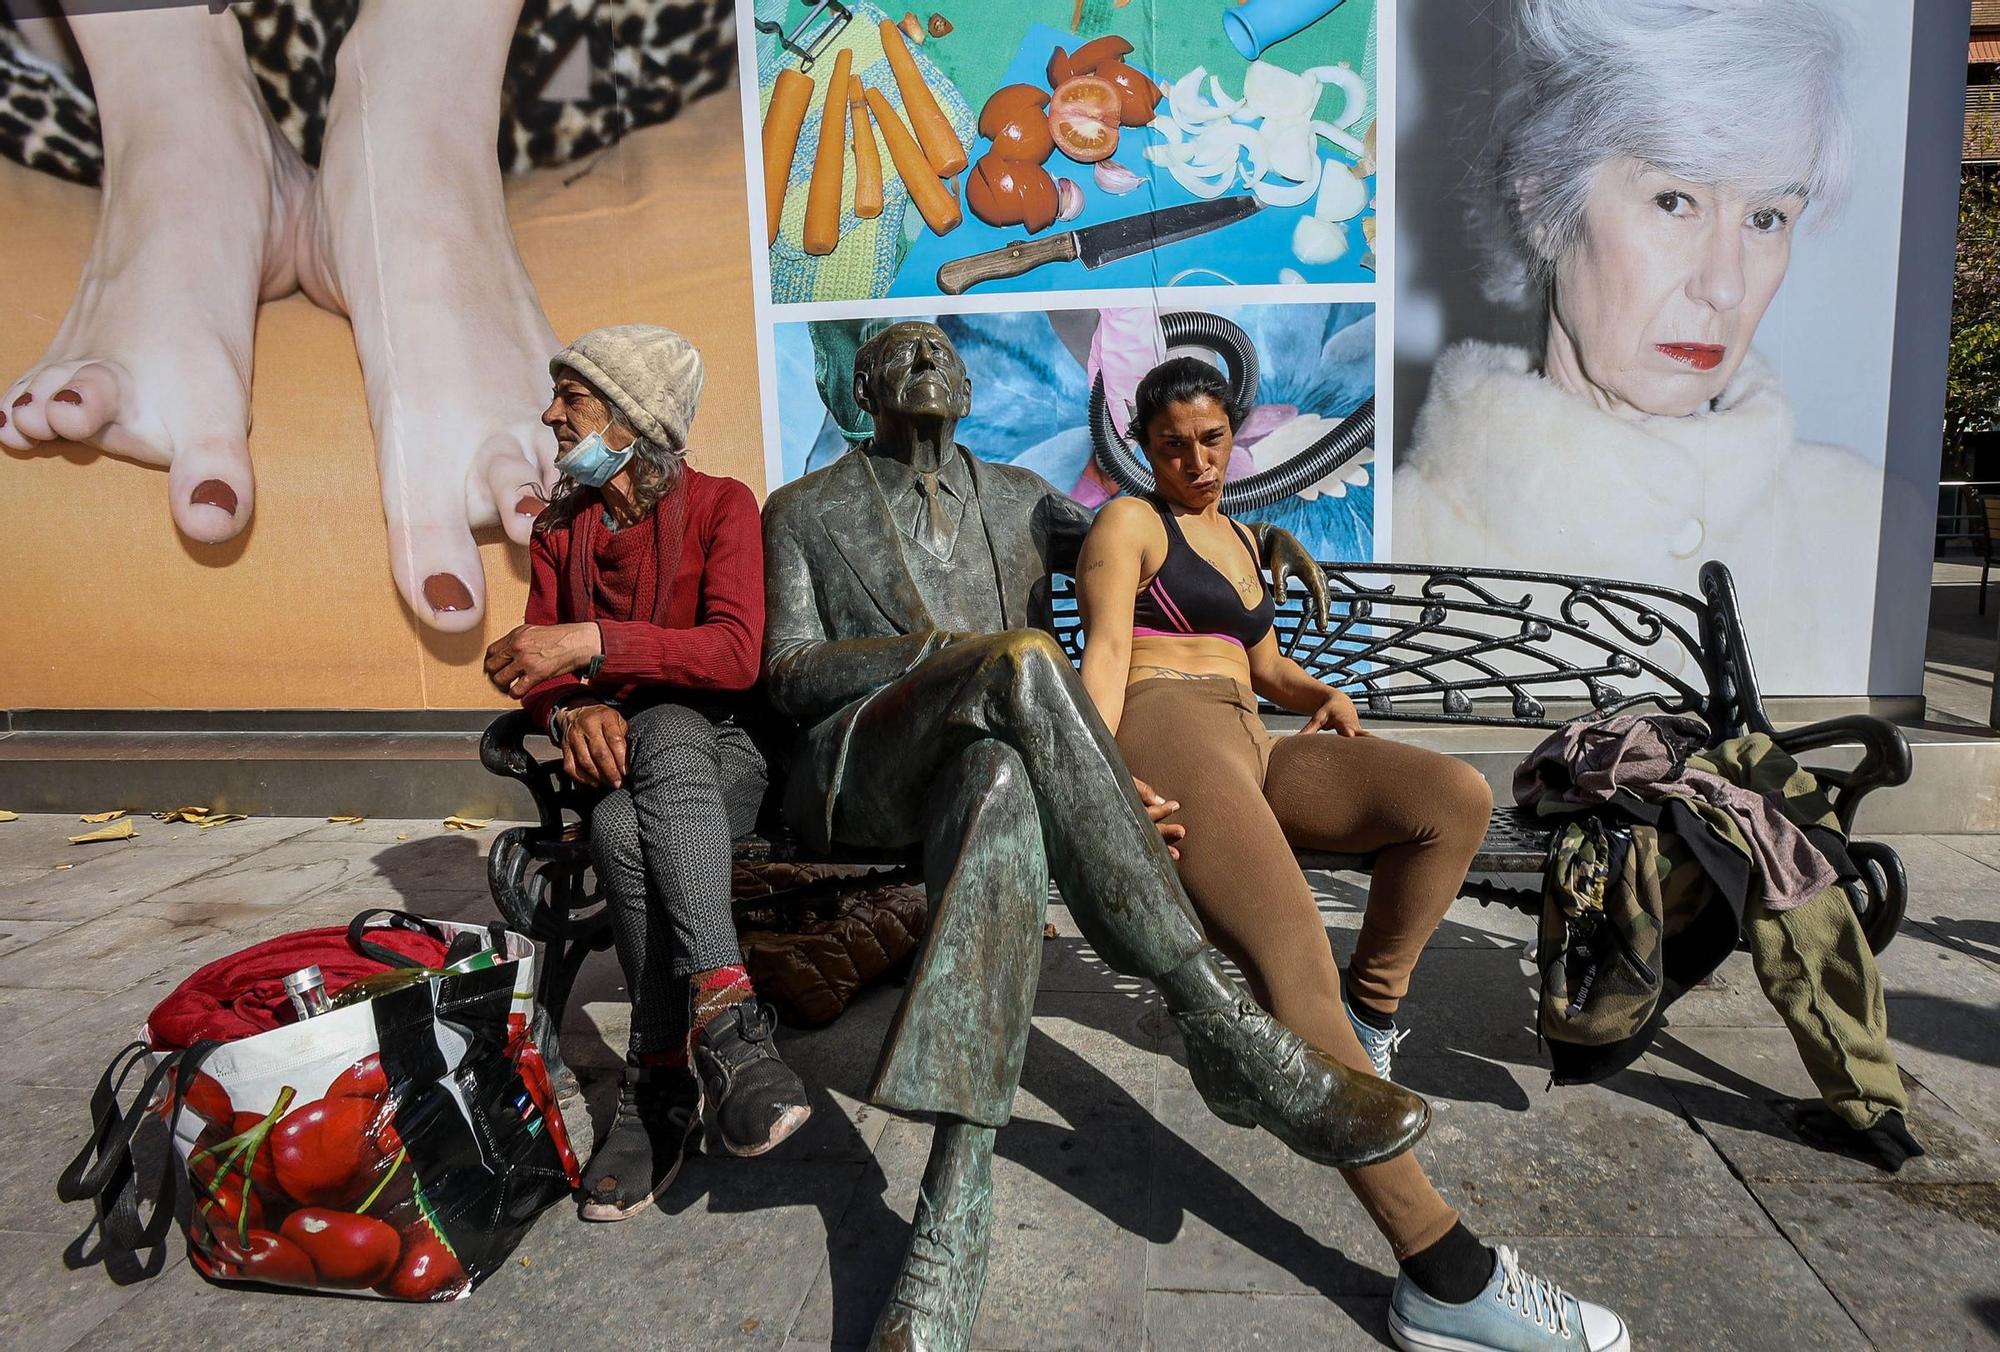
[(307, 989)]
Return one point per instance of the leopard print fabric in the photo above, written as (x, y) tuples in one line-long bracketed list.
[(647, 59)]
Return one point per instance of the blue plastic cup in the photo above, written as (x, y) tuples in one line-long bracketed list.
[(1262, 24)]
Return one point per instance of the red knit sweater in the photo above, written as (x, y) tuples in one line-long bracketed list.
[(708, 634)]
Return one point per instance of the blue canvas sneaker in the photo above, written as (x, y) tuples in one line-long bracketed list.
[(1379, 1043), (1516, 1312)]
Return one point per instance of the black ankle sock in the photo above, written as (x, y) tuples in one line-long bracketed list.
[(1369, 1015), (1453, 1270)]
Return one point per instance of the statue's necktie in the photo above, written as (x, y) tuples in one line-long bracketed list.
[(934, 531)]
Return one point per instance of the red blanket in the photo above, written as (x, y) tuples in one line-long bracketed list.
[(244, 994)]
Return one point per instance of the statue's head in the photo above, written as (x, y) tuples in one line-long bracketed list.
[(907, 374)]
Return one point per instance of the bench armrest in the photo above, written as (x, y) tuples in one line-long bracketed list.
[(1885, 758), (503, 750)]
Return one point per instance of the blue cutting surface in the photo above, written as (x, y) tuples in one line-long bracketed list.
[(1248, 252)]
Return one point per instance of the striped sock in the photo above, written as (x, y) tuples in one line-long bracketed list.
[(716, 991)]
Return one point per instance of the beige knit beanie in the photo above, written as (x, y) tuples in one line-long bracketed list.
[(650, 374)]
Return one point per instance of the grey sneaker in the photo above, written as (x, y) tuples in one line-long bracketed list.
[(1516, 1312), (1379, 1043)]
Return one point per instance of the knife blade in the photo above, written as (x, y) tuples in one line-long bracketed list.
[(1096, 245)]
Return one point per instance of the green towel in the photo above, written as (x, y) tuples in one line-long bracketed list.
[(869, 252)]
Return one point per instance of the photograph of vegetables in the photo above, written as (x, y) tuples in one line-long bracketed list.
[(1057, 145), (1052, 392)]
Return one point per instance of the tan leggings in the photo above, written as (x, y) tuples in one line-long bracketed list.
[(1247, 799)]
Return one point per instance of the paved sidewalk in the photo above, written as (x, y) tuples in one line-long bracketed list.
[(1127, 1216)]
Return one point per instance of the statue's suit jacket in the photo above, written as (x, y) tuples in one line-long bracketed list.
[(834, 572)]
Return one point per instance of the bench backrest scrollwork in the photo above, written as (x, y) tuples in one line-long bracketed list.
[(1418, 642)]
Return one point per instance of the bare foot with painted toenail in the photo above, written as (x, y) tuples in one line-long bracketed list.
[(408, 236), (195, 228)]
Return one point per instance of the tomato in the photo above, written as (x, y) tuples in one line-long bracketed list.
[(363, 1079), (1137, 95), (345, 1249), (1083, 118), (426, 1270), (1016, 118), (264, 1257), (1009, 192), (325, 1152)]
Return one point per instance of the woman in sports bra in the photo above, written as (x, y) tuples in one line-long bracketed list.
[(1177, 648)]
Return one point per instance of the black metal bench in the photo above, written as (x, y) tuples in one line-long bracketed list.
[(1407, 642)]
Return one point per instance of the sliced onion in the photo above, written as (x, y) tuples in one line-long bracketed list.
[(1314, 241), (1274, 194), (1342, 196), (1200, 185), (1353, 89), (1293, 152), (1347, 141), (1222, 101), (1276, 92)]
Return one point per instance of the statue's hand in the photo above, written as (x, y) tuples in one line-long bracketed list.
[(1286, 558)]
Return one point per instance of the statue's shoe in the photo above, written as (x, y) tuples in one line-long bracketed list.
[(936, 1297), (1253, 1071)]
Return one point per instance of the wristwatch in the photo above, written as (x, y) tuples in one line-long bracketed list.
[(590, 669)]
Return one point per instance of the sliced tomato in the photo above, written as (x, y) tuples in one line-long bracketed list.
[(1084, 117)]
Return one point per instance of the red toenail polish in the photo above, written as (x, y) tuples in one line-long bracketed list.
[(214, 493), (3, 420), (22, 400), (443, 592), (530, 506), (66, 397)]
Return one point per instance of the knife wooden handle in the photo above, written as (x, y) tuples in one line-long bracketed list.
[(1023, 256)]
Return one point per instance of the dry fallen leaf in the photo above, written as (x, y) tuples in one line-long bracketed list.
[(457, 823), (346, 821), (182, 814), (119, 830), (220, 819), (102, 816), (402, 835), (9, 816)]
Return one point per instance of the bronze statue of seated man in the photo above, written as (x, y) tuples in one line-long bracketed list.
[(907, 590)]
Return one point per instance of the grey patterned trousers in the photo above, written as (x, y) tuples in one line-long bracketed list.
[(661, 846)]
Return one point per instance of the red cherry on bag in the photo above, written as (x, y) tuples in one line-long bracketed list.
[(325, 1152), (363, 1079), (223, 1212), (263, 1170), (264, 1257), (345, 1249), (206, 1099), (427, 1269)]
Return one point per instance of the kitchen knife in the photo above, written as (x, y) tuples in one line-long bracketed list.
[(1094, 246)]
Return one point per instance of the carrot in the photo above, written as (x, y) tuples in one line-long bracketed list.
[(829, 181), (867, 156), (932, 127), (790, 97), (940, 209)]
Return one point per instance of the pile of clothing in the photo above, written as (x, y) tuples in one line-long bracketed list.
[(1668, 850)]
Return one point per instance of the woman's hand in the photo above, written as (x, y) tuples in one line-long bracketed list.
[(1337, 713), (593, 745), (1158, 809), (529, 654)]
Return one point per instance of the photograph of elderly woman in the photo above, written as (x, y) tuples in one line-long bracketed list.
[(1048, 145), (1654, 328), (1052, 392), (298, 387)]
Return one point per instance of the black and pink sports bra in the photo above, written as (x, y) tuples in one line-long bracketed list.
[(1190, 598)]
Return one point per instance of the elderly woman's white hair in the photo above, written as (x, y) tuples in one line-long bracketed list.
[(1738, 93)]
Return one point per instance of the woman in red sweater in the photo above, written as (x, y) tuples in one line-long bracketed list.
[(643, 631)]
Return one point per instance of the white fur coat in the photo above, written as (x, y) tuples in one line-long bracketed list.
[(1508, 470)]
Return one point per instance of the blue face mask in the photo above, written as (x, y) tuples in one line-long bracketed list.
[(592, 463)]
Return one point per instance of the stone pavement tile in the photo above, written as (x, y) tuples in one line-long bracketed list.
[(1732, 1082), (1070, 1175), (40, 840), (110, 954), (1616, 1159), (1916, 1265), (40, 1130), (1476, 1001), (49, 1306), (1968, 922), (1944, 864), (109, 877), (1232, 1210), (1725, 1295), (69, 1053), (1985, 849), (23, 1010), (1202, 1321), (1944, 1016), (16, 935)]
